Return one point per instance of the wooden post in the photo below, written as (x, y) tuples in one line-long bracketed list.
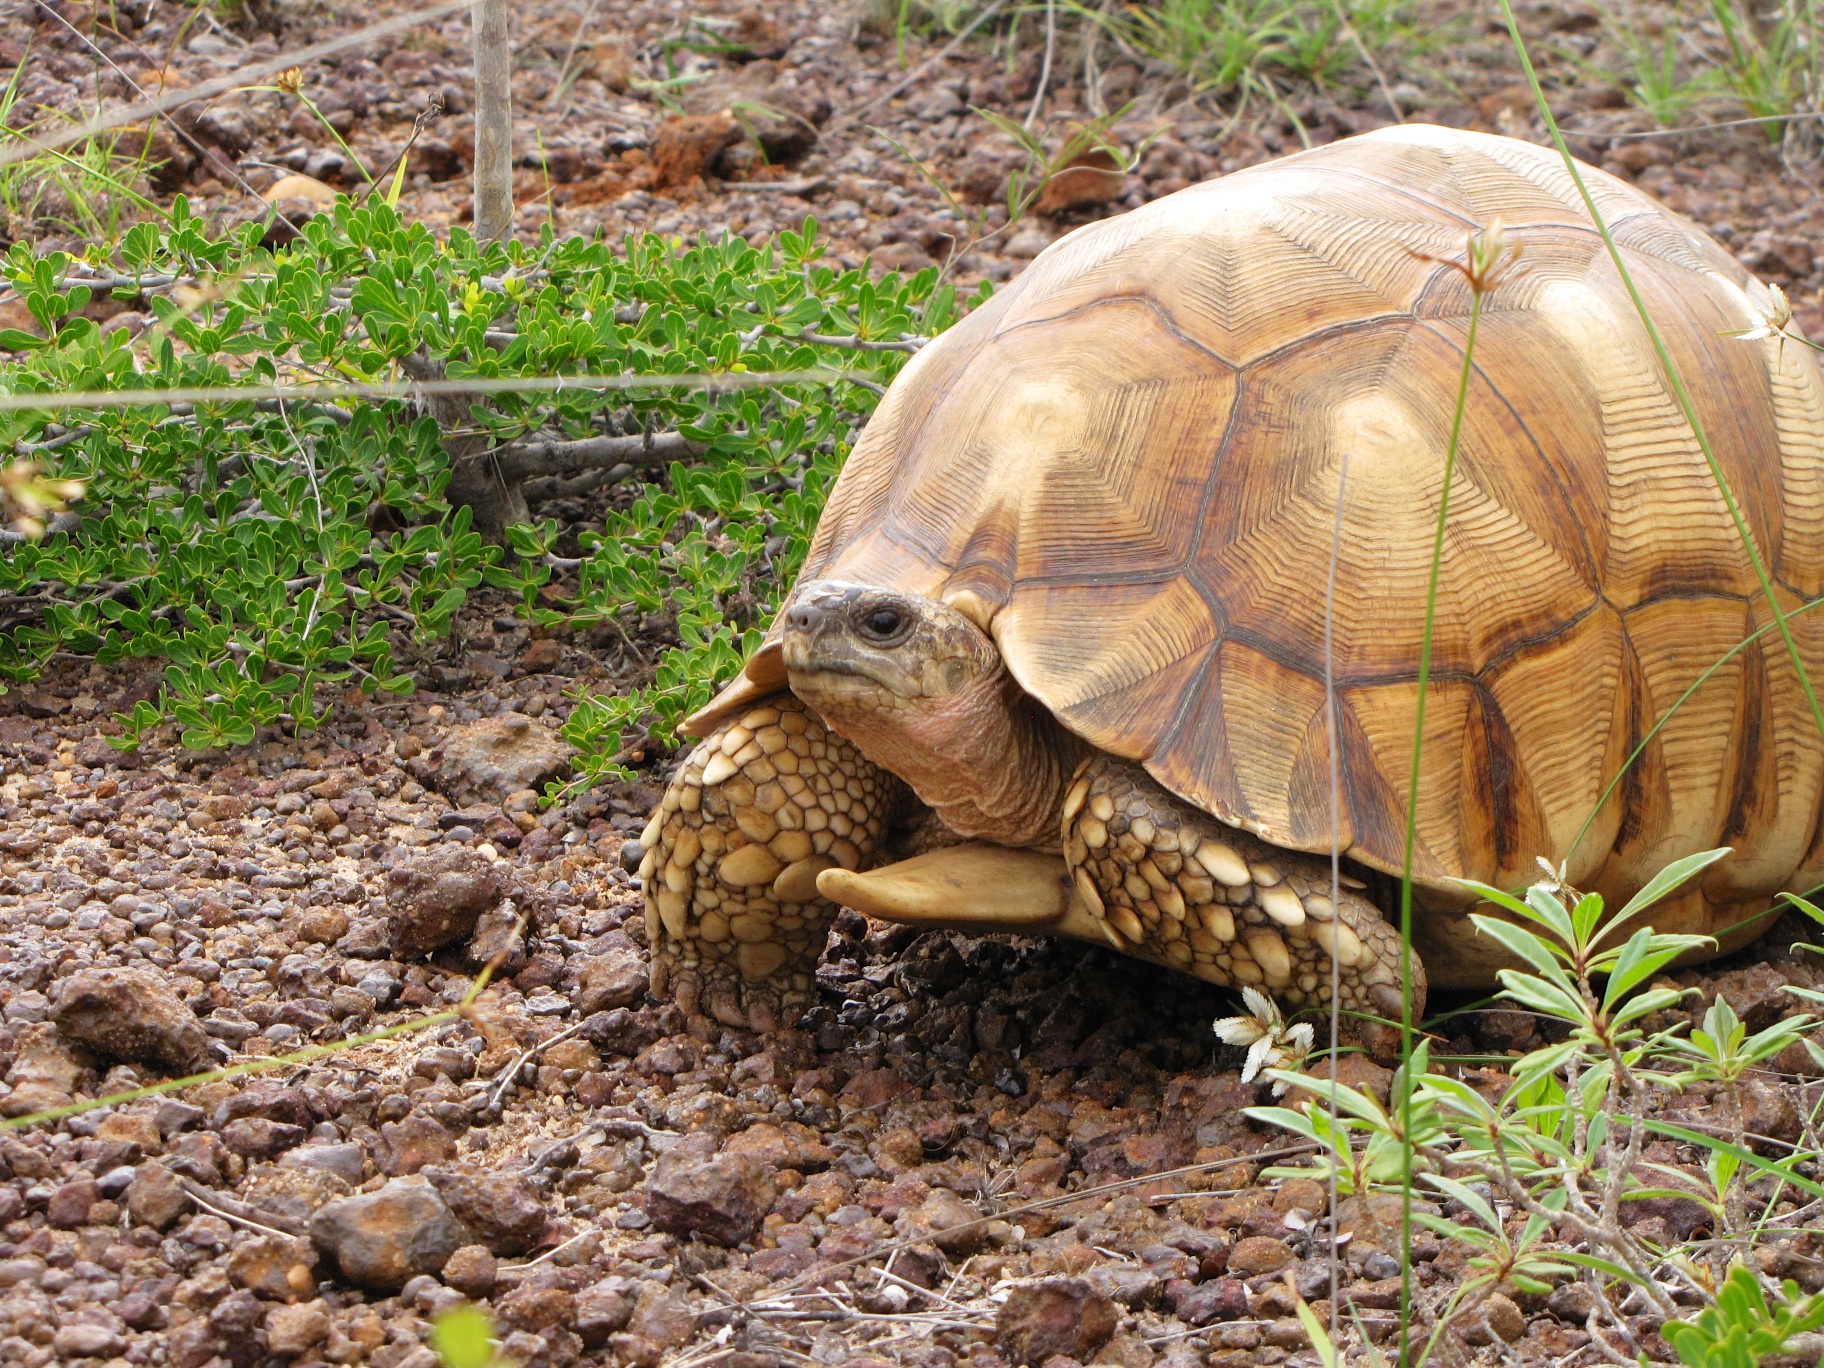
[(493, 122)]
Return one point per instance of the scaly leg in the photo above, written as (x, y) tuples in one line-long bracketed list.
[(1171, 883), (759, 809)]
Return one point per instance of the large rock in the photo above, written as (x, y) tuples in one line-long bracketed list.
[(132, 1014), (501, 1210), (380, 1239), (721, 1197), (495, 757), (437, 899), (615, 979), (1056, 1316)]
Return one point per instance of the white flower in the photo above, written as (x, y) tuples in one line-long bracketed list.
[(1773, 321), (1271, 1044)]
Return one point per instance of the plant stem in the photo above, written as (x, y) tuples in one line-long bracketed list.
[(1670, 369), (1412, 817), (493, 122)]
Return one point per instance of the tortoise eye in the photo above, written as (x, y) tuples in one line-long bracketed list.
[(883, 623)]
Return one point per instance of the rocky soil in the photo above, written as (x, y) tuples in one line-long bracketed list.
[(991, 1151)]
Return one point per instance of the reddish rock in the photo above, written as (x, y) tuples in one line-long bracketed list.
[(687, 147), (662, 1317), (275, 1267), (1219, 1299), (437, 899), (600, 1312), (69, 1204), (537, 1308), (1258, 1254), (1092, 178), (46, 1071), (472, 1271), (722, 1198), (156, 1197), (413, 1143), (615, 979), (489, 759), (132, 1014), (254, 1137), (502, 1210), (293, 1331), (379, 1239), (1056, 1316), (947, 1221)]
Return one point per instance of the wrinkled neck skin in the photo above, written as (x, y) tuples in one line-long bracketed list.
[(988, 760)]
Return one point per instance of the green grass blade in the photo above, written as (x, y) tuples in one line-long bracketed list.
[(1665, 717), (1668, 367), (1412, 813)]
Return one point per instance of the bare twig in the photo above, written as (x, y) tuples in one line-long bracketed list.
[(651, 451), (531, 1052), (1044, 82), (226, 1209)]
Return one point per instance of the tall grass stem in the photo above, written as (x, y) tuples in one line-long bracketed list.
[(1667, 365), (1412, 816)]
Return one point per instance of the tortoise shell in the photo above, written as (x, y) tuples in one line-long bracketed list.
[(1134, 457)]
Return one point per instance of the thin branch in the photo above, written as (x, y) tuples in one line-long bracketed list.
[(653, 451)]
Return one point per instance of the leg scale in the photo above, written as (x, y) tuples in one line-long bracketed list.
[(759, 809)]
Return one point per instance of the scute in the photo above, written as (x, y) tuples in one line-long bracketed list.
[(1136, 452)]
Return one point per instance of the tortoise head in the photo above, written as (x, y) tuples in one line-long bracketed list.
[(850, 647), (919, 687)]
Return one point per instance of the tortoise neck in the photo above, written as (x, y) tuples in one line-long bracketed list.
[(990, 762)]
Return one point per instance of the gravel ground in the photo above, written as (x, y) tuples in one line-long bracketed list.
[(994, 1150)]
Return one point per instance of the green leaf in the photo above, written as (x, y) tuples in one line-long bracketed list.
[(463, 1337), (1637, 962), (1666, 880), (1522, 943), (1781, 1169)]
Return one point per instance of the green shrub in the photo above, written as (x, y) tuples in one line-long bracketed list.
[(276, 547)]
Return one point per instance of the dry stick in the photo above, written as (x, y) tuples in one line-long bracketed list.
[(1380, 76), (713, 383), (508, 1075), (1692, 128), (195, 1194), (1051, 39), (493, 122), (221, 85)]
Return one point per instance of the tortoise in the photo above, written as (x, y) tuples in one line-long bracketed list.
[(1056, 660)]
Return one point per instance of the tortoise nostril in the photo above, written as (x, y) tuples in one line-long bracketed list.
[(802, 617)]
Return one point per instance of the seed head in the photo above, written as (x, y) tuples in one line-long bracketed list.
[(1490, 257), (1775, 320), (290, 80)]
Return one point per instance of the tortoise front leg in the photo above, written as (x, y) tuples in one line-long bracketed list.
[(759, 809), (1171, 883)]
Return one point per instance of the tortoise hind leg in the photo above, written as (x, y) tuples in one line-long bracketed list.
[(763, 805), (1173, 884)]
